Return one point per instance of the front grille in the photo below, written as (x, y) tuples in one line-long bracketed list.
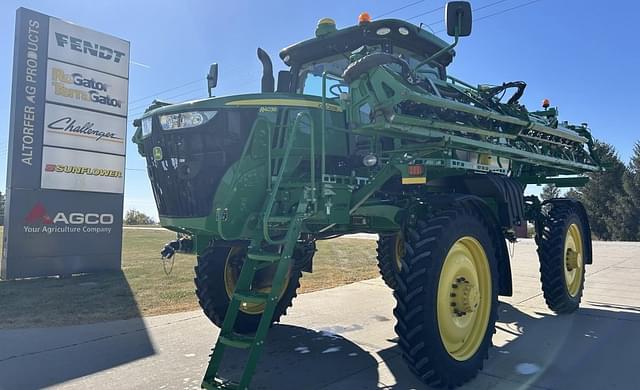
[(194, 160)]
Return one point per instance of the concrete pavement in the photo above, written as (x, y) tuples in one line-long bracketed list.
[(343, 338)]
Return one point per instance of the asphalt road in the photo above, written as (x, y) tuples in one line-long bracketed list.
[(343, 338)]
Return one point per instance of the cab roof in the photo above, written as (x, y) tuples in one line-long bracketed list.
[(348, 39)]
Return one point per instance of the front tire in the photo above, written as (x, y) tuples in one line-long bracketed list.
[(216, 272), (561, 251), (447, 296)]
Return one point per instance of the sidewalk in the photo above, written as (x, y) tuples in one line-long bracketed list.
[(343, 338)]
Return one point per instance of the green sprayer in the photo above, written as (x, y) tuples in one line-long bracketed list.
[(365, 131)]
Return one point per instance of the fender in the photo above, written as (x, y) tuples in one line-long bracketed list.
[(505, 280)]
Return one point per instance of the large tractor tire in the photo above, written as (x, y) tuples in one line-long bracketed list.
[(217, 273), (562, 250), (447, 296), (390, 252)]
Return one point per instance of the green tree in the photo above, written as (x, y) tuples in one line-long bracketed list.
[(2, 200), (604, 196), (550, 191), (632, 187), (135, 217)]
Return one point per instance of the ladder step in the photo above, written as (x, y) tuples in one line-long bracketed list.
[(264, 256), (293, 185), (220, 384), (251, 296), (237, 340), (280, 219)]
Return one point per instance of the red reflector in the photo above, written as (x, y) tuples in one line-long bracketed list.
[(416, 170)]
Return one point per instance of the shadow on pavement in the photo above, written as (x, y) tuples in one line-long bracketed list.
[(36, 357), (594, 348), (298, 358)]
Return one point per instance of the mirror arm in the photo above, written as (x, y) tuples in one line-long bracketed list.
[(444, 50)]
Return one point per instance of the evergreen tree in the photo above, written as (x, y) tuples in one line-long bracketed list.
[(2, 200), (604, 196), (632, 187)]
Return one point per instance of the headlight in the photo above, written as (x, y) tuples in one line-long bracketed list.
[(184, 120), (369, 160), (146, 126)]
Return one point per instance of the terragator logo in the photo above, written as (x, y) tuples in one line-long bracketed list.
[(38, 220), (97, 89)]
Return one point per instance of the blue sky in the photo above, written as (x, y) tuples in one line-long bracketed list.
[(582, 55)]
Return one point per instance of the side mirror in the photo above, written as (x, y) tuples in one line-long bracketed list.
[(458, 18), (212, 77)]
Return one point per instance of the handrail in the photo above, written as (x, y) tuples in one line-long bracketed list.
[(285, 158), (323, 128), (245, 150), (455, 80)]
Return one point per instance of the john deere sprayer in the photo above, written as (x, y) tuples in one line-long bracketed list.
[(365, 131)]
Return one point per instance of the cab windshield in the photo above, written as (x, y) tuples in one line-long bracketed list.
[(310, 74)]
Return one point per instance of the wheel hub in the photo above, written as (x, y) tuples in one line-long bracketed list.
[(465, 297), (572, 259)]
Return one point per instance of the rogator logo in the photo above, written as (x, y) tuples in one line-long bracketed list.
[(68, 125), (65, 85), (79, 170), (38, 220), (87, 47)]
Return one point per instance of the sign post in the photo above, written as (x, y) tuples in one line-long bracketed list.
[(67, 143)]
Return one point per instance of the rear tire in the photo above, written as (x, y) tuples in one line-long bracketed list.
[(445, 326), (562, 251), (213, 294), (390, 252)]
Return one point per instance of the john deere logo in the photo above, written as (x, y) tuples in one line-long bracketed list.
[(157, 153)]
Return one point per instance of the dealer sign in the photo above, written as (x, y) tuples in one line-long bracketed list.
[(67, 142)]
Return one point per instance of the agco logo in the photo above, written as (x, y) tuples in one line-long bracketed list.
[(65, 85), (38, 215), (38, 220)]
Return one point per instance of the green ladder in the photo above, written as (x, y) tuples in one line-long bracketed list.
[(256, 260)]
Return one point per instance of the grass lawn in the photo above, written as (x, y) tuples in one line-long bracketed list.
[(143, 289)]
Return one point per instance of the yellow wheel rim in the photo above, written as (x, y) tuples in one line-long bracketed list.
[(573, 259), (261, 282), (464, 298), (399, 253)]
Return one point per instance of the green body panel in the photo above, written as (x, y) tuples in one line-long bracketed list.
[(237, 207)]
